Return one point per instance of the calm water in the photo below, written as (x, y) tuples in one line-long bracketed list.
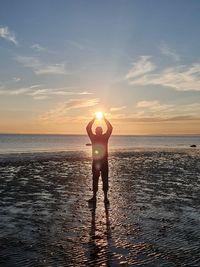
[(12, 143)]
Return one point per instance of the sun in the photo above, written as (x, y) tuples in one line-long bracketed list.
[(99, 115)]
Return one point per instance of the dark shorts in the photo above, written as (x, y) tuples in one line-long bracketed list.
[(100, 167)]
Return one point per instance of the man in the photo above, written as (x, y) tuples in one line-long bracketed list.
[(100, 157)]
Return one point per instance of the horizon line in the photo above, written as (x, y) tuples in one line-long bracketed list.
[(70, 134)]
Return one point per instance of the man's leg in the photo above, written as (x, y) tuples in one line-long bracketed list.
[(104, 174), (95, 180)]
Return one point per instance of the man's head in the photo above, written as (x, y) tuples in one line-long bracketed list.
[(99, 131)]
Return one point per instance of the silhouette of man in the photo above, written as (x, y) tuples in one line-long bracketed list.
[(100, 157)]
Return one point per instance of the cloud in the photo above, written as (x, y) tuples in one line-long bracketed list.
[(155, 109), (38, 47), (115, 109), (41, 68), (180, 78), (62, 110), (141, 67), (6, 34), (134, 119), (31, 62), (48, 92), (144, 104), (165, 50), (19, 91), (14, 92), (51, 69), (40, 97), (80, 46), (37, 92), (155, 112), (9, 82), (16, 79), (153, 105)]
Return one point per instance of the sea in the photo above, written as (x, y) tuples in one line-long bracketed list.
[(32, 143)]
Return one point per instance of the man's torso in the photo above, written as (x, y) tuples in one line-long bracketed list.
[(99, 147)]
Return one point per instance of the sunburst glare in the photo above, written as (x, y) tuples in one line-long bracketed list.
[(99, 115)]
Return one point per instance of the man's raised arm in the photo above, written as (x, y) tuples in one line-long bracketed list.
[(89, 127), (109, 127)]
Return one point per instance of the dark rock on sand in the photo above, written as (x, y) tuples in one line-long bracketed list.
[(88, 144)]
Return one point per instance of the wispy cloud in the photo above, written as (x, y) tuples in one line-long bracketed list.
[(158, 119), (154, 106), (146, 104), (115, 109), (141, 67), (38, 47), (155, 112), (155, 109), (48, 92), (167, 51), (51, 69), (180, 78), (62, 109), (80, 46), (39, 93), (9, 82), (41, 68), (16, 79), (18, 91), (7, 34), (40, 97), (31, 62)]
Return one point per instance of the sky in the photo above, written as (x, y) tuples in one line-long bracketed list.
[(136, 60)]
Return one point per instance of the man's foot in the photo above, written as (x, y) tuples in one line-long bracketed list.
[(106, 201), (92, 200)]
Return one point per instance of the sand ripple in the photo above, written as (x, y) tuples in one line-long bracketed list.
[(153, 218)]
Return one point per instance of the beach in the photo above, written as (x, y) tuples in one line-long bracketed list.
[(153, 218), (92, 88)]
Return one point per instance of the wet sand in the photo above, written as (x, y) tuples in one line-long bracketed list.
[(153, 218)]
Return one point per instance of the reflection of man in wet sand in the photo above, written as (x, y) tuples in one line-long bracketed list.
[(99, 248), (100, 156)]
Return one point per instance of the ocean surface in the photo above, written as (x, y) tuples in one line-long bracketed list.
[(30, 143)]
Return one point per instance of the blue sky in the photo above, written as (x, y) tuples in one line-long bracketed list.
[(136, 60)]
